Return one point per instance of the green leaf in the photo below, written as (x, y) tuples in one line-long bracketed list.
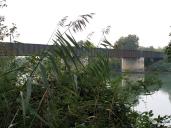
[(33, 112), (23, 107), (29, 90), (54, 66), (44, 75)]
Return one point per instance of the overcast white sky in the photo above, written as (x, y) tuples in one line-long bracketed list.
[(150, 20)]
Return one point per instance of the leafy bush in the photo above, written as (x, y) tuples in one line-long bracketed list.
[(162, 66)]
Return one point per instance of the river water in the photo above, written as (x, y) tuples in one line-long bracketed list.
[(160, 101)]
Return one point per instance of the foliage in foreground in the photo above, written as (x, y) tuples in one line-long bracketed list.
[(56, 96)]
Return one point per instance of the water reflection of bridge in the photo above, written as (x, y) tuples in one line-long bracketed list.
[(133, 78), (132, 60)]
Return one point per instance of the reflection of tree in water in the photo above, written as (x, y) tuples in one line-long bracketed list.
[(140, 84), (166, 83)]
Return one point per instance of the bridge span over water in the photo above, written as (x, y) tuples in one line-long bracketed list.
[(132, 60)]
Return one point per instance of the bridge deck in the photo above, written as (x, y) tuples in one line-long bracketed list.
[(23, 49)]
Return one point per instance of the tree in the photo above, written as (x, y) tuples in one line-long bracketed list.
[(168, 51), (5, 31), (129, 42), (3, 3)]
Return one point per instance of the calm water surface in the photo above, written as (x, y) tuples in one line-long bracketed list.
[(159, 101)]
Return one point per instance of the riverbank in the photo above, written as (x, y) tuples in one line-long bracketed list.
[(160, 66)]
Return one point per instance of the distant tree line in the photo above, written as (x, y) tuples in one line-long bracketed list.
[(131, 42)]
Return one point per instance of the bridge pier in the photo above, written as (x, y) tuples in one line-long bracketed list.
[(133, 65)]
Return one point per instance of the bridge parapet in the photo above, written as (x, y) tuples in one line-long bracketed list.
[(22, 49), (93, 52)]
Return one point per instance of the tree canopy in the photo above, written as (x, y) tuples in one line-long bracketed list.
[(128, 42), (168, 52), (6, 31)]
